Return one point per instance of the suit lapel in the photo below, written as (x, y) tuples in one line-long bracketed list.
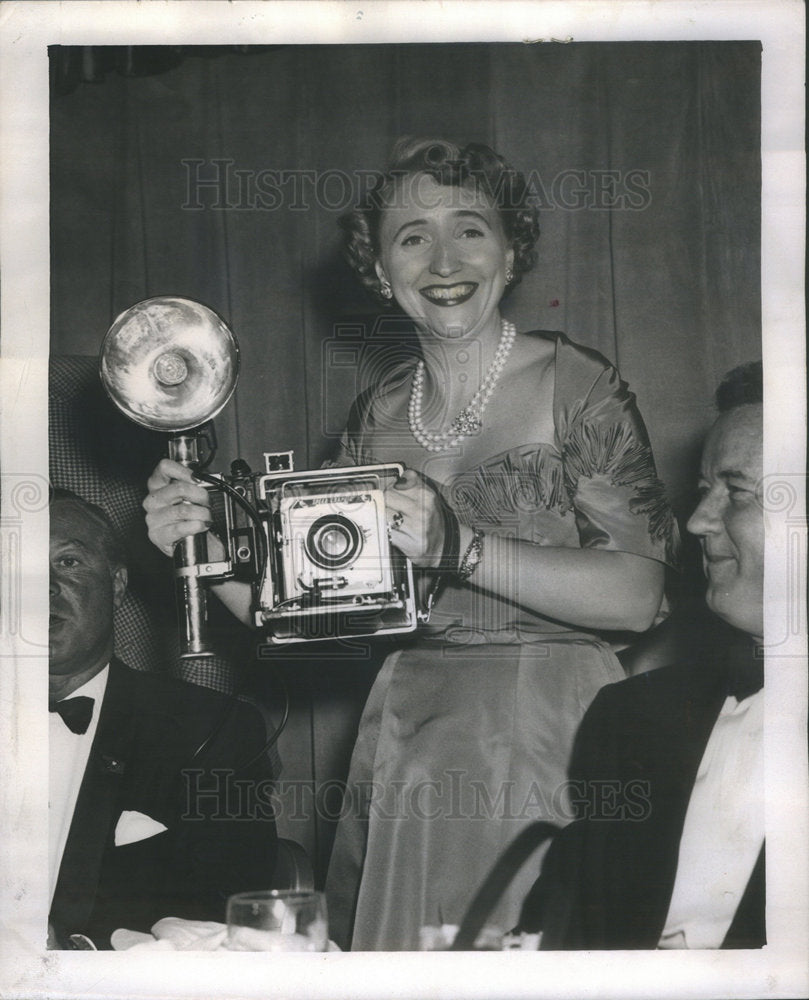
[(635, 864), (694, 707), (679, 763), (748, 929), (609, 884), (91, 828)]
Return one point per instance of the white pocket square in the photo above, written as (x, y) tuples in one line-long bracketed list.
[(134, 826)]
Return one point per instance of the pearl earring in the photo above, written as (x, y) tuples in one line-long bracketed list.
[(509, 275)]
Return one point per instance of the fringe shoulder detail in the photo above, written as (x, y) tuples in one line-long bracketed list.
[(523, 480), (614, 450)]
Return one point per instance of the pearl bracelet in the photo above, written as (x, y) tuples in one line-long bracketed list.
[(472, 556)]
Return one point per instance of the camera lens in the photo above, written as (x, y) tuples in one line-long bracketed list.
[(333, 541)]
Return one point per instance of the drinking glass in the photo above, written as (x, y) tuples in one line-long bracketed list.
[(277, 920)]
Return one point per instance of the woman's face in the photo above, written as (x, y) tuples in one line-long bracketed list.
[(445, 254)]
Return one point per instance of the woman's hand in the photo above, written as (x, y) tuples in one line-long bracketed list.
[(416, 520), (176, 505)]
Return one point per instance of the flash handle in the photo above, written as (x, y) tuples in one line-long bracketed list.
[(189, 553)]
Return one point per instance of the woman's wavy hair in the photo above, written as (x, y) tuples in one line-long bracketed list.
[(449, 165)]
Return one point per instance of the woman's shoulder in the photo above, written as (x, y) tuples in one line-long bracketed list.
[(568, 353), (578, 370), (389, 383)]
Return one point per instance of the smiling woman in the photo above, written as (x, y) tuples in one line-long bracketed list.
[(644, 162), (563, 530), (445, 248), (530, 493)]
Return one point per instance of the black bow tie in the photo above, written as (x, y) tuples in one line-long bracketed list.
[(745, 673), (76, 712)]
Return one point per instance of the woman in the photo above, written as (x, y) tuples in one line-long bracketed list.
[(530, 478)]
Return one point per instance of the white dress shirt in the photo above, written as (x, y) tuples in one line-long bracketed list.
[(68, 754), (723, 831)]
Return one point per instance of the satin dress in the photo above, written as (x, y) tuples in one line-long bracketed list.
[(467, 731)]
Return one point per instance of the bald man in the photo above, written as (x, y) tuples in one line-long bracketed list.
[(158, 790)]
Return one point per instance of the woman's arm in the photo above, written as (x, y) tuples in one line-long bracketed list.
[(614, 580), (178, 506), (592, 588)]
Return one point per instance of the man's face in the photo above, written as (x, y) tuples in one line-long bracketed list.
[(84, 592), (729, 519)]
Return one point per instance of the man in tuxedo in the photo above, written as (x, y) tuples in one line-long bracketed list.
[(667, 848), (159, 791)]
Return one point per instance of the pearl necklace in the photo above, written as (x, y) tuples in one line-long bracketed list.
[(468, 420)]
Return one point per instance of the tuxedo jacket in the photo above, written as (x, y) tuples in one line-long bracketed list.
[(608, 877), (174, 755)]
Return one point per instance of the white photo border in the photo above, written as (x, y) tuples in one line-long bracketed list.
[(26, 29)]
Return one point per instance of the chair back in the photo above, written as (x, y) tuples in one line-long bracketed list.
[(293, 868), (498, 880)]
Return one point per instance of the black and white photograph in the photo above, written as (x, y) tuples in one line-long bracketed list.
[(413, 424)]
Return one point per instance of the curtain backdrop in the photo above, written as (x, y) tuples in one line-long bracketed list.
[(221, 178), (665, 283)]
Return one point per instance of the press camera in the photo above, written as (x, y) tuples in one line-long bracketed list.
[(313, 545), (318, 552)]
